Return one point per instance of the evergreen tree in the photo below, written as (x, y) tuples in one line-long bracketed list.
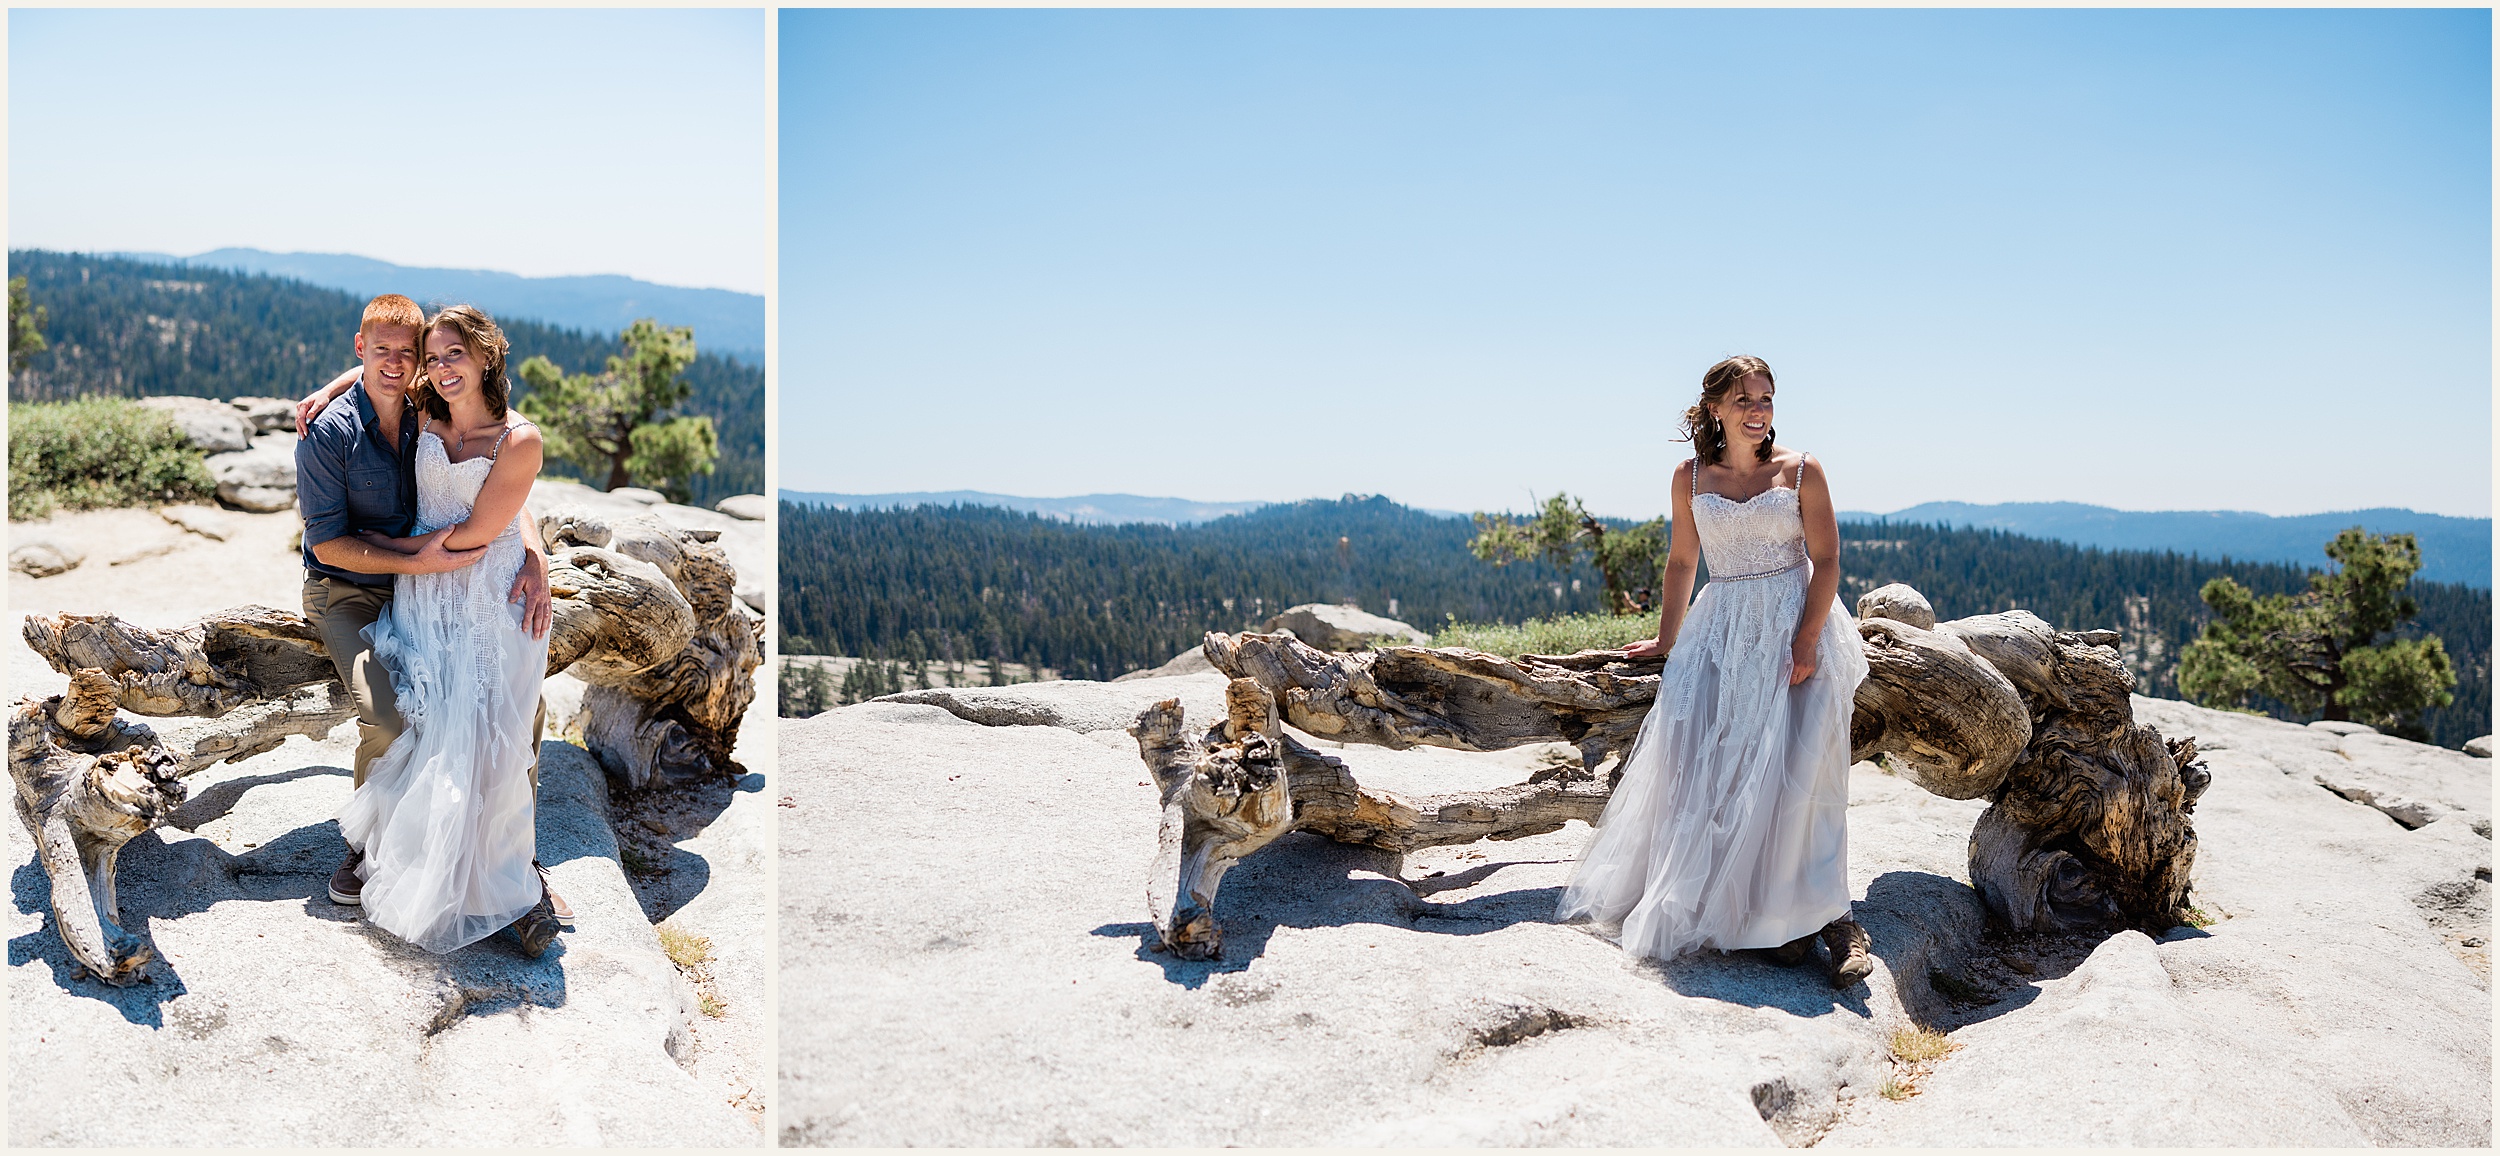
[(2319, 650), (26, 321), (614, 420), (1564, 533)]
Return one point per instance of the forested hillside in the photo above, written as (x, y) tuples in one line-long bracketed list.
[(128, 329), (972, 583)]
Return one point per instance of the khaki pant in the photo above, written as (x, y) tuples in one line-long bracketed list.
[(339, 612)]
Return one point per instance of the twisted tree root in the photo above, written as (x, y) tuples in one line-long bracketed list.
[(2088, 825)]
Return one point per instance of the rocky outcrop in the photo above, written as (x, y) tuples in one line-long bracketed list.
[(1343, 628), (270, 1003), (211, 426), (260, 478), (43, 557), (746, 507), (1190, 661), (966, 959), (267, 414), (2479, 748)]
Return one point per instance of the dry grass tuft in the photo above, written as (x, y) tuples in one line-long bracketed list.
[(684, 949), (1917, 1045)]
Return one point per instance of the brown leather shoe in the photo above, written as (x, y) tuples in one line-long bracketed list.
[(347, 889), (555, 902), (536, 929), (1851, 952)]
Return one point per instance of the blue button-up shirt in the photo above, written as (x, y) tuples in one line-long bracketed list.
[(347, 478)]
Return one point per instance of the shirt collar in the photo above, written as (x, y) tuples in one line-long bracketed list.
[(365, 412)]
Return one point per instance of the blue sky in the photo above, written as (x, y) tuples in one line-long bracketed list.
[(567, 141), (2146, 259)]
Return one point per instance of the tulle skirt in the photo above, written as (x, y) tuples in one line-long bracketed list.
[(1729, 827), (446, 817)]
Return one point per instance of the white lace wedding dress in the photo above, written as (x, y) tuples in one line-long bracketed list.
[(446, 817), (1729, 827)]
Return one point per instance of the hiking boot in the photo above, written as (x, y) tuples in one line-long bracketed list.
[(346, 887), (536, 928), (555, 902), (1851, 957)]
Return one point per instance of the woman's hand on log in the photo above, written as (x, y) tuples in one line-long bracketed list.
[(1801, 659), (529, 592), (1645, 648)]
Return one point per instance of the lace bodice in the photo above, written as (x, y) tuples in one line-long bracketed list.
[(1762, 535), (447, 490)]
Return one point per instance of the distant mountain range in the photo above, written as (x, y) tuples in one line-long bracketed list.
[(1087, 510), (726, 323), (2453, 549)]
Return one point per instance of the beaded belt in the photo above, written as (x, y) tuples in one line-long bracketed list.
[(1765, 574)]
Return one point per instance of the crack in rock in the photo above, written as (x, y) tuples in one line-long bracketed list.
[(1513, 1023)]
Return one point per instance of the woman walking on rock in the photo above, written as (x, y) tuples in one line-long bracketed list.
[(1728, 829)]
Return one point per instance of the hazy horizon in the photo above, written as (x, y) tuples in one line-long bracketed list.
[(1425, 506)]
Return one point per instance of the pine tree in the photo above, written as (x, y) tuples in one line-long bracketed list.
[(612, 421), (2318, 651), (1564, 533), (26, 321)]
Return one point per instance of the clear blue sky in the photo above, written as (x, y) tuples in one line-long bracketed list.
[(567, 141), (2145, 259)]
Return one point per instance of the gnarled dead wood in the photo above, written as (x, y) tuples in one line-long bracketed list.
[(2088, 825), (1245, 782), (88, 782), (682, 711), (645, 613)]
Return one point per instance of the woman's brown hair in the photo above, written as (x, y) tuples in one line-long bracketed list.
[(1702, 429), (486, 343)]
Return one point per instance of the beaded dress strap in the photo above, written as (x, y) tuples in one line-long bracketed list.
[(507, 432)]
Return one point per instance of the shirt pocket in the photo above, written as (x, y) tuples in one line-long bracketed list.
[(373, 494)]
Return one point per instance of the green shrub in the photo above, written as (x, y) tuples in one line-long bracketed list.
[(98, 451), (1563, 634)]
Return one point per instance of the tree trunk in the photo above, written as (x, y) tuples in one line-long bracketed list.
[(2088, 825)]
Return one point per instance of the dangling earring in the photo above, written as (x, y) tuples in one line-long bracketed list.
[(1769, 434)]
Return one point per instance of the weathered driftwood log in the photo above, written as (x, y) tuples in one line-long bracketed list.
[(87, 782), (643, 613), (1244, 782), (680, 711), (2088, 826)]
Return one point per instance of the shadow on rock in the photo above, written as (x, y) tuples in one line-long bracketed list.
[(652, 823), (214, 803), (1800, 991), (140, 1003), (1308, 881)]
